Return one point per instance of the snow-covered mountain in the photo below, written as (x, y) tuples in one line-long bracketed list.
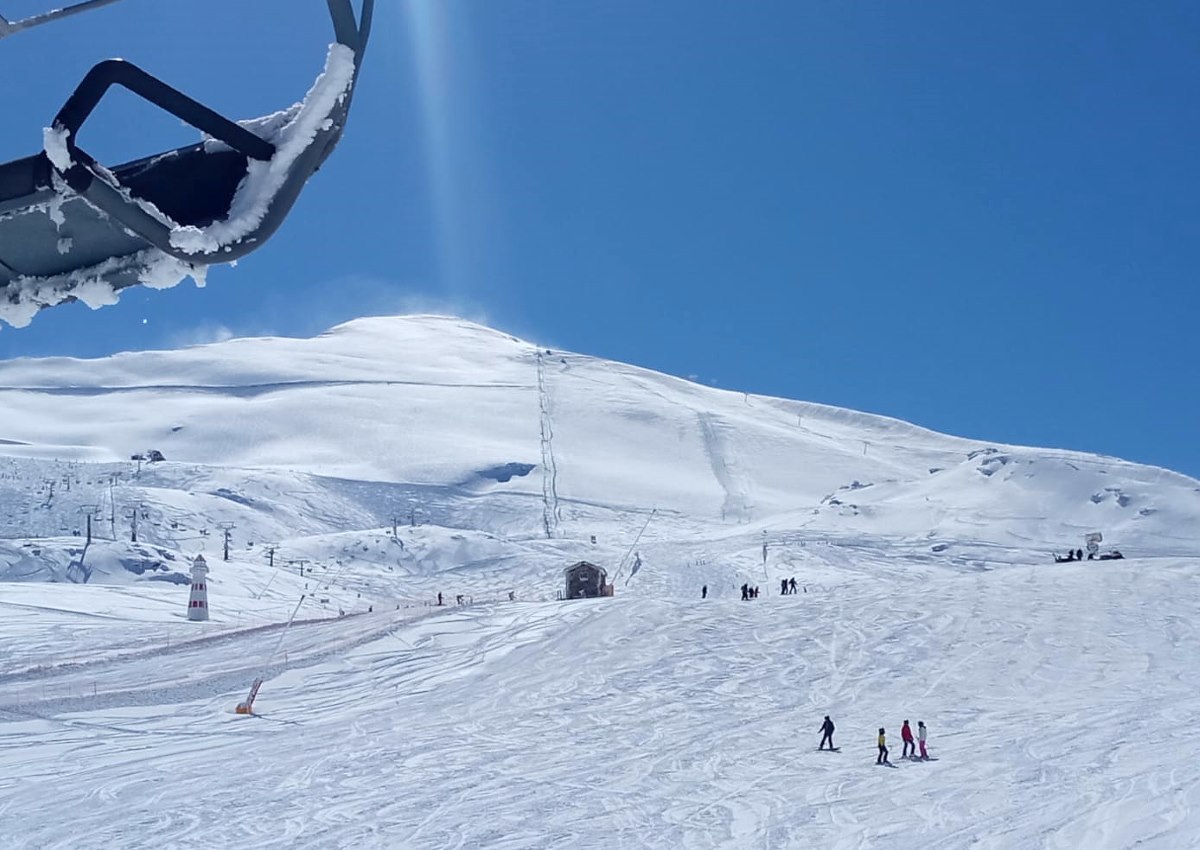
[(366, 470), (457, 426)]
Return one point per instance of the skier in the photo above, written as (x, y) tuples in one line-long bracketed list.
[(883, 750), (921, 739), (792, 585), (439, 597), (783, 587), (906, 735), (704, 592), (826, 733), (745, 592)]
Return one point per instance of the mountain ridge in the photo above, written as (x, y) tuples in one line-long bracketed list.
[(288, 438)]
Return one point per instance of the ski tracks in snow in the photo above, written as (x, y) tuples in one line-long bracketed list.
[(651, 723), (723, 461)]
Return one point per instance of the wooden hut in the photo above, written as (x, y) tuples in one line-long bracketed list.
[(586, 581)]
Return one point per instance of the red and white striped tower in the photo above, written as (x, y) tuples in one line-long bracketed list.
[(198, 597)]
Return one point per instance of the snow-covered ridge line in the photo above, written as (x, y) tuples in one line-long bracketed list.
[(380, 414)]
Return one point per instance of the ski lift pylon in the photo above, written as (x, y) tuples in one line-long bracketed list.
[(72, 229)]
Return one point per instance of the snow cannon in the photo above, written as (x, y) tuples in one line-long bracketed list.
[(247, 706)]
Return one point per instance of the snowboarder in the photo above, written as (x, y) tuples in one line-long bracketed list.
[(883, 750), (921, 739), (704, 592), (826, 733), (906, 735)]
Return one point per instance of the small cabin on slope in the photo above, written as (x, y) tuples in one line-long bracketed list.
[(586, 581)]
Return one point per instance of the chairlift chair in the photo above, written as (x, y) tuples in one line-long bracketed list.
[(72, 229)]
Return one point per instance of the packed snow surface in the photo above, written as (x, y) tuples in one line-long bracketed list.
[(354, 476)]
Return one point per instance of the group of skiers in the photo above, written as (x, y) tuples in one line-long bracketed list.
[(462, 599), (1077, 555), (910, 747), (906, 735), (787, 586)]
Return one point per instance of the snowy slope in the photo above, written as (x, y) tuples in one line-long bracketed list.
[(1060, 715), (482, 431), (360, 473)]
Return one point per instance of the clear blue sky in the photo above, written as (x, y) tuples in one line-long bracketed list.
[(983, 218)]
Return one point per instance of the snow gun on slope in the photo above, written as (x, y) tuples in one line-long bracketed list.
[(73, 229), (247, 705)]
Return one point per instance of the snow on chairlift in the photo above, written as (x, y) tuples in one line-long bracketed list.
[(72, 229)]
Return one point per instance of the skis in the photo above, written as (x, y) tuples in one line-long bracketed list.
[(911, 759), (829, 749)]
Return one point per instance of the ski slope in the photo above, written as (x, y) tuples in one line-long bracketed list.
[(1060, 714), (356, 475)]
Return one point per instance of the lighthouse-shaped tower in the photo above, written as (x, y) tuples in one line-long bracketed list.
[(198, 597)]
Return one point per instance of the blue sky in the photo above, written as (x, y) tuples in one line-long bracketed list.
[(982, 218)]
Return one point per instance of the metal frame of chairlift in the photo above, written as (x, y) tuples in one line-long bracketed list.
[(189, 184)]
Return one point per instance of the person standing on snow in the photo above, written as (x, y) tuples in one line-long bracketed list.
[(704, 592), (826, 733), (921, 739), (883, 750), (906, 735)]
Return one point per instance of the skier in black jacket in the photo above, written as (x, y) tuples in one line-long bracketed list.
[(826, 733)]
